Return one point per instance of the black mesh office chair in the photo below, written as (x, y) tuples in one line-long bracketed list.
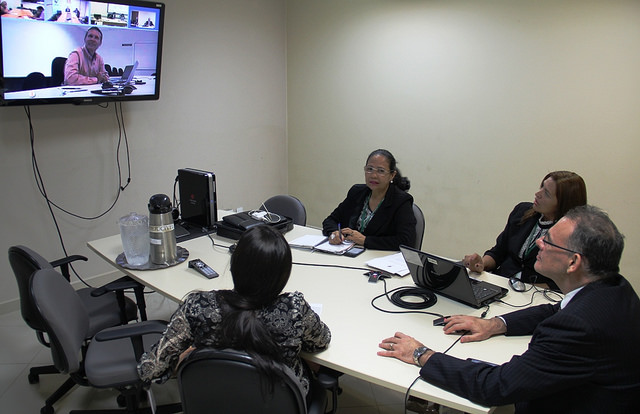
[(227, 381), (420, 225), (289, 206), (109, 360), (57, 70), (107, 306)]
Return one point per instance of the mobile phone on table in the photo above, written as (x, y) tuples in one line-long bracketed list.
[(354, 251)]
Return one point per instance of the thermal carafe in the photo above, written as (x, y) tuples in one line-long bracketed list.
[(162, 233)]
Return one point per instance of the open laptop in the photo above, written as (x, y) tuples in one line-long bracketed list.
[(127, 75), (449, 279)]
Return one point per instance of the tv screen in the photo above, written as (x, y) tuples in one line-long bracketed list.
[(80, 52)]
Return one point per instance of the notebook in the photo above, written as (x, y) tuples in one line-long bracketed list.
[(127, 74), (449, 279)]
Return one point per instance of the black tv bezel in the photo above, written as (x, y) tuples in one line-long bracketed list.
[(97, 99)]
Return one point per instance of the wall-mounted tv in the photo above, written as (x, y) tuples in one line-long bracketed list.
[(79, 51)]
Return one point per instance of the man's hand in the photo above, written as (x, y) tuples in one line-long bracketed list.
[(400, 346), (478, 329)]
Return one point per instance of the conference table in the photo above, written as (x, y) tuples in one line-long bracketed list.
[(82, 91), (338, 290)]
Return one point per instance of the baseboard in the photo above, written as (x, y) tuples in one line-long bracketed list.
[(12, 305)]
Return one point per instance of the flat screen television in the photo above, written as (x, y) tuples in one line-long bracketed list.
[(47, 56)]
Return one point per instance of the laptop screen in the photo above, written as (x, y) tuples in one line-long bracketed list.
[(443, 276)]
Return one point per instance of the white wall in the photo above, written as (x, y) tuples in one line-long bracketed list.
[(222, 108), (477, 100)]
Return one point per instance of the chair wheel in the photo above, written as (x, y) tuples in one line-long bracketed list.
[(33, 378), (121, 400), (47, 409)]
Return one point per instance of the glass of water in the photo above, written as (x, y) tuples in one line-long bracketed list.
[(134, 231)]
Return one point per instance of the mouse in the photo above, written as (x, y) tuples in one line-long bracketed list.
[(517, 284), (440, 321), (107, 85)]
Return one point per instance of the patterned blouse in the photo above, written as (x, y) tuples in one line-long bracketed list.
[(196, 322)]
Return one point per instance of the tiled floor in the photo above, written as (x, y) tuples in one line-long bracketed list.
[(20, 350)]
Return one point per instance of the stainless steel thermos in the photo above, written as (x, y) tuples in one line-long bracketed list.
[(162, 233)]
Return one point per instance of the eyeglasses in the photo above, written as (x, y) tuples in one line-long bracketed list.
[(380, 171), (545, 241)]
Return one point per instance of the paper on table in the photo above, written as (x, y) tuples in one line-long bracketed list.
[(393, 264), (308, 241), (335, 248)]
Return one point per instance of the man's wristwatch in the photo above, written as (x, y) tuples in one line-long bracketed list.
[(418, 352)]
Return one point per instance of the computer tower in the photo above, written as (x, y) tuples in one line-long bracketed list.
[(198, 201)]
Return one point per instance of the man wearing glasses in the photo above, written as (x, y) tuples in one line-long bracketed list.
[(582, 356)]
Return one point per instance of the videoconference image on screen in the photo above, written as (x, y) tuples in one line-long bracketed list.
[(78, 51)]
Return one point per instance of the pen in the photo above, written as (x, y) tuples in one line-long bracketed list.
[(340, 232)]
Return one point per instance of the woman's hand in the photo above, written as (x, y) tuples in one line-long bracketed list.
[(336, 237), (473, 262), (354, 236)]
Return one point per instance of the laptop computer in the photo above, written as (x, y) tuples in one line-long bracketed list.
[(449, 279), (127, 75)]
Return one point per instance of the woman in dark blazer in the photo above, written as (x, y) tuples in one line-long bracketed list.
[(378, 214), (514, 253)]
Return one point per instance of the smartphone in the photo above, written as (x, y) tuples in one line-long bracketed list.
[(354, 251)]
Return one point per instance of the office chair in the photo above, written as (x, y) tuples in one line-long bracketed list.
[(227, 381), (34, 80), (107, 306), (289, 206), (109, 360), (420, 225), (57, 70)]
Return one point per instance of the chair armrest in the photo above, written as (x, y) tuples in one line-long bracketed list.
[(65, 262), (68, 259), (131, 330), (124, 282)]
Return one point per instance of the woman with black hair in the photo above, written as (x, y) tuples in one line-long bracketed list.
[(255, 316), (377, 214)]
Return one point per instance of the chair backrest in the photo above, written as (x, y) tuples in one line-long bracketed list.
[(65, 319), (287, 205), (57, 70), (34, 80), (420, 225), (24, 262), (229, 381)]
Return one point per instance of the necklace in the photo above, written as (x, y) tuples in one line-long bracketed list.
[(366, 215)]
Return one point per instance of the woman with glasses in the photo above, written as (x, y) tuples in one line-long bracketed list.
[(515, 251), (377, 214)]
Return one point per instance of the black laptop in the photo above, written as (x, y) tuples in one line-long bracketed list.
[(449, 279)]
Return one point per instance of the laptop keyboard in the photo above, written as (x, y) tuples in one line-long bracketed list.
[(481, 292)]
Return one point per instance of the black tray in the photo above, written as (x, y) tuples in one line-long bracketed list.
[(183, 254)]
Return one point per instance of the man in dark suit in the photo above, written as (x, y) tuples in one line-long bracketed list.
[(582, 357)]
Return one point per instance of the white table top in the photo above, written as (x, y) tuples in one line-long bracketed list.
[(344, 296)]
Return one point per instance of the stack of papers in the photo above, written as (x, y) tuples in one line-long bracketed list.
[(321, 243), (393, 264), (335, 248)]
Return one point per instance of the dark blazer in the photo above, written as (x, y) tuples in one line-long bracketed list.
[(392, 225), (581, 359), (506, 252)]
